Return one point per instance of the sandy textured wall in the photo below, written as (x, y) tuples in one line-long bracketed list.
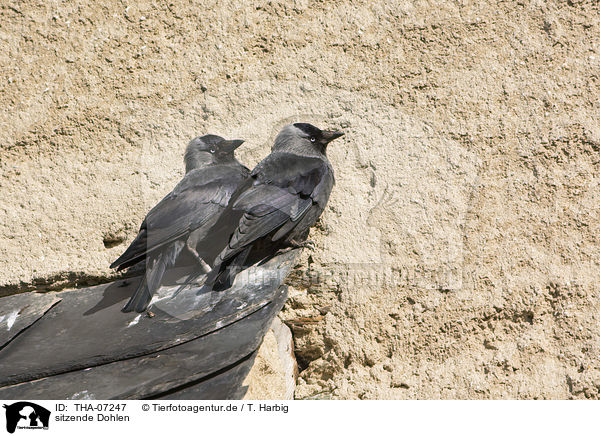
[(458, 257)]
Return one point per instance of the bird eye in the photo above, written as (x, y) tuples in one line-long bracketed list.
[(212, 150), (313, 139)]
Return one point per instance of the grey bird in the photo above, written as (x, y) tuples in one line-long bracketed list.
[(187, 215), (283, 197)]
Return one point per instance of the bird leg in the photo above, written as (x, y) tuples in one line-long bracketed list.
[(203, 265)]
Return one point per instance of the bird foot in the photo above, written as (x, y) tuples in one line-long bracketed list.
[(293, 245), (306, 244), (205, 267), (196, 280)]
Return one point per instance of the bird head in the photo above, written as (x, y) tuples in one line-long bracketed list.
[(209, 149), (304, 138)]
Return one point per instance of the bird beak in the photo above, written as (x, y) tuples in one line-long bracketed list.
[(330, 135), (231, 145)]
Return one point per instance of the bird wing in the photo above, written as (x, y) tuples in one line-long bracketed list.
[(194, 202), (286, 186)]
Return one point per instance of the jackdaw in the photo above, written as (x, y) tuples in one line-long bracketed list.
[(283, 197), (187, 215)]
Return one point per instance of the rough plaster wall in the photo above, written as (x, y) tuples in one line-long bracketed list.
[(458, 257)]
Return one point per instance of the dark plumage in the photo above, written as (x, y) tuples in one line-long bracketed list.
[(284, 196), (186, 216)]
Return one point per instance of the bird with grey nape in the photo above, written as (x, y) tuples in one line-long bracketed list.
[(187, 215), (279, 203)]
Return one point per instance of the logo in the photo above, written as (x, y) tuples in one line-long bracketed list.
[(26, 415)]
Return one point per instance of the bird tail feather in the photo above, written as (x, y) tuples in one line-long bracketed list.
[(222, 278), (152, 279), (140, 299)]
